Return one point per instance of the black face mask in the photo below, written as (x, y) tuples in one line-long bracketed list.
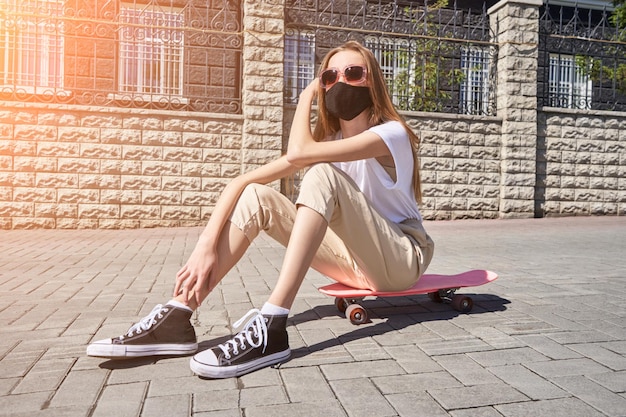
[(346, 101)]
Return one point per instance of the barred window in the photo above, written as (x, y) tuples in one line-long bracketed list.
[(299, 61), (151, 51), (31, 46), (474, 88), (569, 84), (394, 58)]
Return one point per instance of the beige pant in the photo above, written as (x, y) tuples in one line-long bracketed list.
[(361, 248)]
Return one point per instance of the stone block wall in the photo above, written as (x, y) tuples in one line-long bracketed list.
[(263, 82), (581, 163), (64, 166), (76, 167), (460, 165)]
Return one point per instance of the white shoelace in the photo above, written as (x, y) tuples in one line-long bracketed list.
[(146, 322), (254, 332)]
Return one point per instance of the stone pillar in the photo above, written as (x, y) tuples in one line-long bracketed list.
[(515, 24), (262, 96)]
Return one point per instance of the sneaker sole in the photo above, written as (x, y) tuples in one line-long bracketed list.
[(209, 371), (133, 351)]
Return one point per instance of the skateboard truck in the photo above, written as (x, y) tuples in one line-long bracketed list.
[(461, 303)]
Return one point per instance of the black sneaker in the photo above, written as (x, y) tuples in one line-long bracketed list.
[(262, 342), (167, 330)]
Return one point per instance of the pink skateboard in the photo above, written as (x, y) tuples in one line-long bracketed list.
[(440, 288)]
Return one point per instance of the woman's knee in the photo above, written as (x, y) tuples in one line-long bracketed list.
[(318, 178), (318, 189), (256, 195), (322, 170), (250, 193), (260, 198), (263, 208)]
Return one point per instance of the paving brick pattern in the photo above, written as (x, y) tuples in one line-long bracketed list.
[(547, 338)]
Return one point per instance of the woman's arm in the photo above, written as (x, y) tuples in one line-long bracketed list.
[(303, 150)]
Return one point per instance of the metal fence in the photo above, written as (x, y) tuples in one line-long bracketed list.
[(582, 59), (164, 54), (434, 58)]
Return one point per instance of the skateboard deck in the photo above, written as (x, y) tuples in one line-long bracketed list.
[(440, 288)]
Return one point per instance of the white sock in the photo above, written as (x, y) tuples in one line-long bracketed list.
[(179, 305), (272, 310)]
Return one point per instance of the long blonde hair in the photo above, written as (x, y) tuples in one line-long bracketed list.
[(381, 111)]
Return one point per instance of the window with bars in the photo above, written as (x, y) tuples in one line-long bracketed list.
[(31, 46), (569, 84), (395, 62), (151, 48), (474, 88), (299, 61)]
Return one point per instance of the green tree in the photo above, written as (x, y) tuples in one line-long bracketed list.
[(598, 70), (619, 17)]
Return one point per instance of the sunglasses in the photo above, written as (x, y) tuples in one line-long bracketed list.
[(353, 74)]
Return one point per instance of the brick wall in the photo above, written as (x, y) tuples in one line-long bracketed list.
[(460, 162), (581, 163), (73, 167)]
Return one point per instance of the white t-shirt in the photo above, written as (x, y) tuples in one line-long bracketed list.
[(393, 199)]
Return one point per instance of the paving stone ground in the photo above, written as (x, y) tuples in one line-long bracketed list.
[(548, 338)]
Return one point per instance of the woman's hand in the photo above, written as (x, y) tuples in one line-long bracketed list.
[(196, 278), (310, 92)]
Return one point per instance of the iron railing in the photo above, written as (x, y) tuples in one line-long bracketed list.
[(164, 54), (582, 59), (434, 58)]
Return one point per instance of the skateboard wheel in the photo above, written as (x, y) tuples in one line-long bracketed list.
[(356, 314), (462, 303), (341, 304)]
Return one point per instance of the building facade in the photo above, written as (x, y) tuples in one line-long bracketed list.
[(120, 114)]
